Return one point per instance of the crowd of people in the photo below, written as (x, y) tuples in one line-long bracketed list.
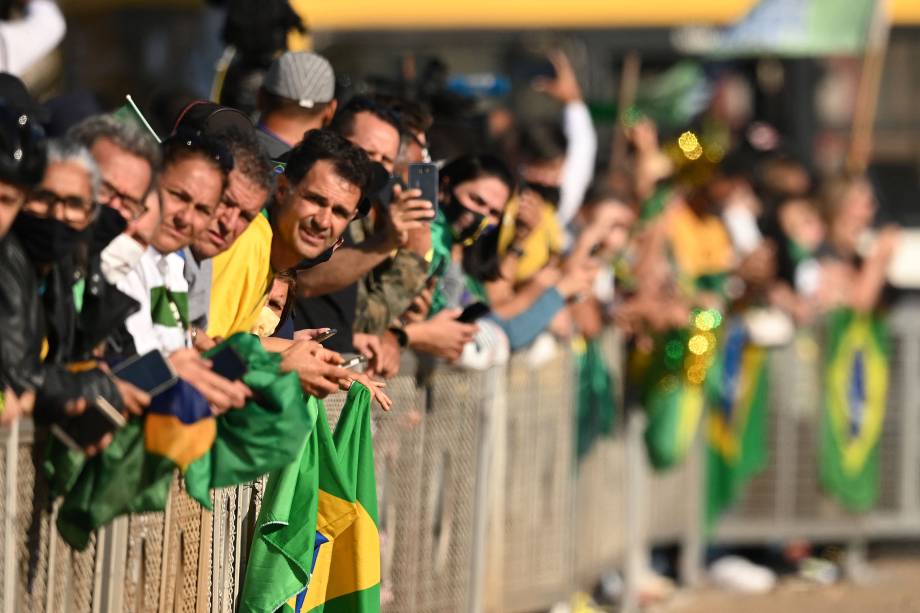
[(297, 223)]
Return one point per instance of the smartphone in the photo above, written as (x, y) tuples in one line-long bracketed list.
[(475, 311), (325, 336), (80, 431), (355, 363), (150, 372), (228, 364), (384, 196), (425, 178)]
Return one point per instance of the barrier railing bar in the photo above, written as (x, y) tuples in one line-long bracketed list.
[(10, 565)]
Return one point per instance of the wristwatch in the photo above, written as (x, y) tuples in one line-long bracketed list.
[(401, 337)]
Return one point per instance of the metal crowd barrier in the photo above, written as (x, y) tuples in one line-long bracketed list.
[(483, 506)]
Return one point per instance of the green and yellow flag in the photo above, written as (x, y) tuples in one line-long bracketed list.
[(737, 420), (855, 398), (178, 431), (317, 547), (673, 387)]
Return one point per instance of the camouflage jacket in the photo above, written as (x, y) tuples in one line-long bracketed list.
[(389, 289)]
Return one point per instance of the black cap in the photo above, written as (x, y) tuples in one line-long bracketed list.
[(14, 93), (22, 148)]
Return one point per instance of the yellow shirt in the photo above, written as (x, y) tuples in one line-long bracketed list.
[(241, 280), (545, 241), (701, 245)]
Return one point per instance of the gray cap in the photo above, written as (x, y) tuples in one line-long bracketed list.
[(305, 78)]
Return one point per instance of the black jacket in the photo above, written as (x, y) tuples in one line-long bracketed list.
[(25, 328)]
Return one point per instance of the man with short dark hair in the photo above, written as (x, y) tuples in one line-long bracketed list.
[(298, 95), (316, 198), (391, 243)]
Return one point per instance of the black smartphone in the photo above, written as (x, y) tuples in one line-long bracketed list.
[(425, 178), (384, 196), (325, 336), (227, 363), (150, 372), (80, 431), (355, 363), (475, 311)]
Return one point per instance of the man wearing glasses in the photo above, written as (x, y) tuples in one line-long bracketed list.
[(128, 158)]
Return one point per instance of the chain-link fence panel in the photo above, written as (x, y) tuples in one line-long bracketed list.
[(144, 563), (184, 582), (448, 485), (539, 486), (398, 455)]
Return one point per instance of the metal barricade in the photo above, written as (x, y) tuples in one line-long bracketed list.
[(538, 484), (786, 500)]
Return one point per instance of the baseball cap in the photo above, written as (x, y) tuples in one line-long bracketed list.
[(306, 78)]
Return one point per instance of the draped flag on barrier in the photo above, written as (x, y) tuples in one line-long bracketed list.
[(737, 420), (134, 473), (673, 388), (596, 404), (317, 547), (855, 397)]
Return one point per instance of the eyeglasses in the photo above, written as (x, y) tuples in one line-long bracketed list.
[(198, 141), (42, 203), (108, 193)]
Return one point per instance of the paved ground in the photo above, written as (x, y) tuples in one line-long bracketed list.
[(894, 587)]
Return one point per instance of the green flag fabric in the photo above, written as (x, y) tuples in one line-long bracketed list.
[(855, 398), (799, 28), (596, 403), (317, 547), (178, 431), (672, 388), (737, 420), (257, 439)]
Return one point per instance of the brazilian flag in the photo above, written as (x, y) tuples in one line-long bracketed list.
[(737, 420), (674, 375), (855, 397), (317, 547), (596, 404), (134, 473)]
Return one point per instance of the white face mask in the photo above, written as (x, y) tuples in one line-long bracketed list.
[(266, 323), (119, 257)]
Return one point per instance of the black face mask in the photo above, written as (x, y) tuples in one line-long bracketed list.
[(45, 240), (109, 224), (549, 193), (453, 211)]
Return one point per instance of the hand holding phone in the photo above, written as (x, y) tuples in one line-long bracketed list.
[(424, 177)]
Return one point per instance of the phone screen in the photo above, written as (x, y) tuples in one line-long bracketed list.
[(425, 178), (473, 312), (228, 364), (149, 372)]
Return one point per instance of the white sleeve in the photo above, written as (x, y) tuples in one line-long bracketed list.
[(580, 154), (140, 324), (26, 40)]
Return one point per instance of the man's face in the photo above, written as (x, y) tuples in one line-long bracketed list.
[(190, 191), (11, 200), (241, 202), (315, 212), (379, 139), (486, 196), (65, 194), (125, 178)]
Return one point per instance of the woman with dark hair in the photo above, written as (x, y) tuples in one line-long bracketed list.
[(474, 193)]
